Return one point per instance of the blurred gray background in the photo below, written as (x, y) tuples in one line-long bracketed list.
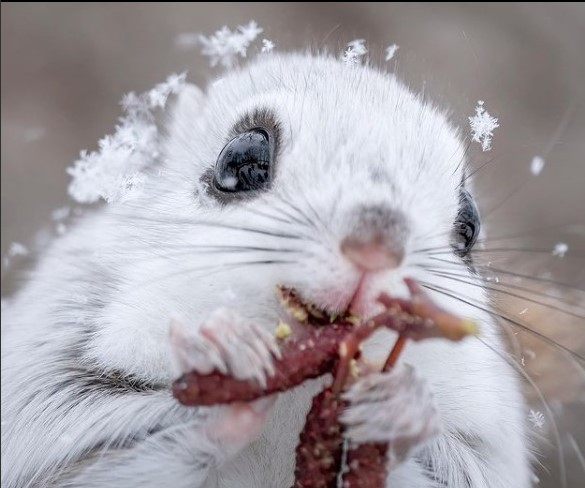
[(65, 66)]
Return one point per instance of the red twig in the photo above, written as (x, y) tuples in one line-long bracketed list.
[(319, 451), (301, 359), (395, 352), (330, 347)]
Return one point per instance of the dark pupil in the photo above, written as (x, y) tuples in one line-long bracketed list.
[(244, 163), (467, 224)]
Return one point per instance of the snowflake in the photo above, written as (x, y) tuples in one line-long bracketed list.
[(354, 52), (157, 97), (60, 213), (482, 126), (115, 171), (267, 46), (17, 249), (391, 51), (560, 249), (61, 229), (359, 46), (250, 31), (350, 57), (536, 165), (537, 418), (225, 45)]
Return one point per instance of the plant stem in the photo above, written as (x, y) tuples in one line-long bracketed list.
[(395, 352)]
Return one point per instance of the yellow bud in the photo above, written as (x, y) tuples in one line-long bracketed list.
[(282, 330)]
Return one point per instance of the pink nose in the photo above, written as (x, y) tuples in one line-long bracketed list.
[(374, 255)]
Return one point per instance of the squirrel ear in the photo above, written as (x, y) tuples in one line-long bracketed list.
[(187, 103)]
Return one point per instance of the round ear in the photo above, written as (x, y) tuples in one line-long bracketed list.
[(185, 109), (187, 104), (182, 124)]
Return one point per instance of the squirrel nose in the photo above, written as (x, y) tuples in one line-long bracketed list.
[(375, 237), (373, 254)]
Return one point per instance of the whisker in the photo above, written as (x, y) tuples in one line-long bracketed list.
[(212, 248), (318, 217), (462, 160), (299, 218), (510, 249), (321, 230), (215, 268), (489, 238), (577, 450), (334, 208), (563, 124), (432, 235), (298, 210), (173, 254), (514, 364), (457, 279), (225, 250), (477, 170), (503, 201), (254, 230), (517, 275), (529, 277), (172, 250), (571, 354), (276, 218), (562, 127)]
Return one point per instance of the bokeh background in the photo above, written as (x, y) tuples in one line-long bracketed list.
[(65, 66)]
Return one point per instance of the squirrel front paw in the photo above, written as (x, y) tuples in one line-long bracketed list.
[(227, 343), (396, 407)]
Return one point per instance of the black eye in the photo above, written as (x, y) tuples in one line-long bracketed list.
[(244, 164), (467, 225)]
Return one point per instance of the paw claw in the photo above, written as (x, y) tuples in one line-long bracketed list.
[(225, 343), (269, 341)]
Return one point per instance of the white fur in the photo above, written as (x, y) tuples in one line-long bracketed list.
[(103, 296)]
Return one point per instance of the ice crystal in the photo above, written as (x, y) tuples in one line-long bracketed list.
[(537, 418), (560, 249), (61, 229), (536, 165), (391, 51), (354, 52), (17, 249), (115, 171), (482, 126), (226, 45), (61, 213), (267, 46)]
